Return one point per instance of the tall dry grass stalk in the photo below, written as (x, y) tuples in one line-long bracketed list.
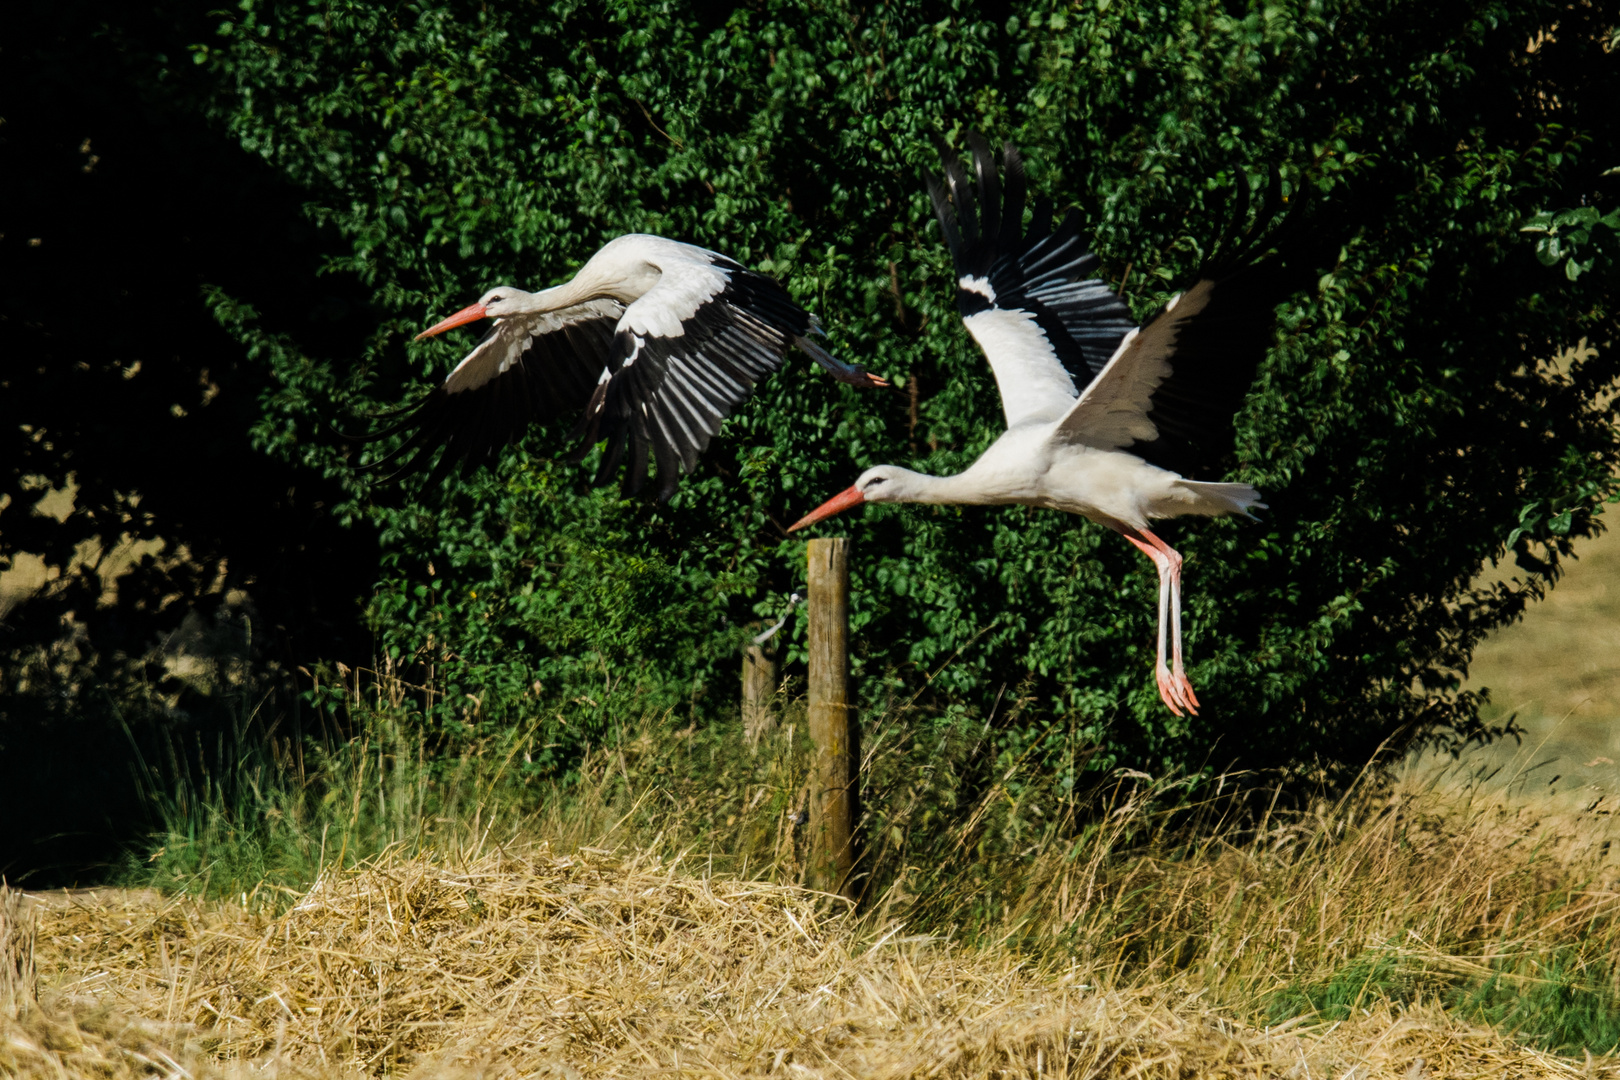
[(1432, 888), (19, 979)]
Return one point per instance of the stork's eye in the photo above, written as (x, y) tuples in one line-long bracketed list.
[(875, 481)]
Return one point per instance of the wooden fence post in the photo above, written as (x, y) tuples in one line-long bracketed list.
[(758, 694), (833, 779)]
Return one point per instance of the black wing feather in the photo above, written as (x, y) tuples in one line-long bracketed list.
[(552, 375), (1254, 267), (989, 191), (1047, 273), (675, 393)]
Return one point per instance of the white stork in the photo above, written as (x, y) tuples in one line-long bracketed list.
[(653, 343), (1104, 420)]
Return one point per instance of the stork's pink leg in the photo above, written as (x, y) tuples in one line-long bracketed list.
[(1178, 675), (1168, 690), (1174, 687)]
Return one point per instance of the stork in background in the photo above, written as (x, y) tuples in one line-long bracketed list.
[(1155, 414), (653, 343)]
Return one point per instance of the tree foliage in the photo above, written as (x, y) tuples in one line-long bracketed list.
[(1420, 415)]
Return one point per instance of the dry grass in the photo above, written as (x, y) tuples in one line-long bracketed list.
[(1558, 672), (520, 961), (1170, 935), (1432, 883), (1563, 658)]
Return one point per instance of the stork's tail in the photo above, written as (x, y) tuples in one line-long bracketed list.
[(1218, 499), (848, 373)]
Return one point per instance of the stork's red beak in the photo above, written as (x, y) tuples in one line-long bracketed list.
[(835, 505), (460, 318)]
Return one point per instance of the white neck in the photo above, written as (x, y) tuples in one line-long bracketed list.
[(916, 487), (557, 297), (598, 278)]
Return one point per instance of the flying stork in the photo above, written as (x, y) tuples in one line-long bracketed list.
[(1115, 423), (653, 343)]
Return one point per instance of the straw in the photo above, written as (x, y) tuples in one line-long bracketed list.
[(596, 964)]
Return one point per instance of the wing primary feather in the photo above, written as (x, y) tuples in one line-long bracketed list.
[(1056, 249), (667, 458), (947, 223), (1040, 223), (1232, 232), (441, 469), (989, 188), (967, 217), (1013, 175), (636, 475), (408, 412), (610, 460), (419, 440)]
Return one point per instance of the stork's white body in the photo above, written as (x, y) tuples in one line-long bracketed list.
[(1032, 466), (660, 282)]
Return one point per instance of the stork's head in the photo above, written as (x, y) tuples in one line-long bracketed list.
[(499, 301), (881, 483), (502, 300)]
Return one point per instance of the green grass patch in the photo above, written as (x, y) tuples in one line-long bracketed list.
[(1561, 1001), (265, 824), (1369, 979)]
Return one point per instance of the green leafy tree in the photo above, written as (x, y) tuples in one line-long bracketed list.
[(1422, 413)]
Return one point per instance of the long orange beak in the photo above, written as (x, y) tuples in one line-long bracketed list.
[(460, 318), (835, 505)]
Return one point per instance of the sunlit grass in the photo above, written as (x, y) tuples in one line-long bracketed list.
[(1483, 887), (1558, 672), (1452, 885)]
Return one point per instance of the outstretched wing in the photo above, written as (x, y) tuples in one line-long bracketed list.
[(685, 356), (1171, 390), (1028, 298), (527, 369)]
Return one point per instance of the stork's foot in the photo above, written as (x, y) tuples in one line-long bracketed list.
[(1189, 700), (853, 374), (862, 379), (1167, 688), (1175, 691)]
